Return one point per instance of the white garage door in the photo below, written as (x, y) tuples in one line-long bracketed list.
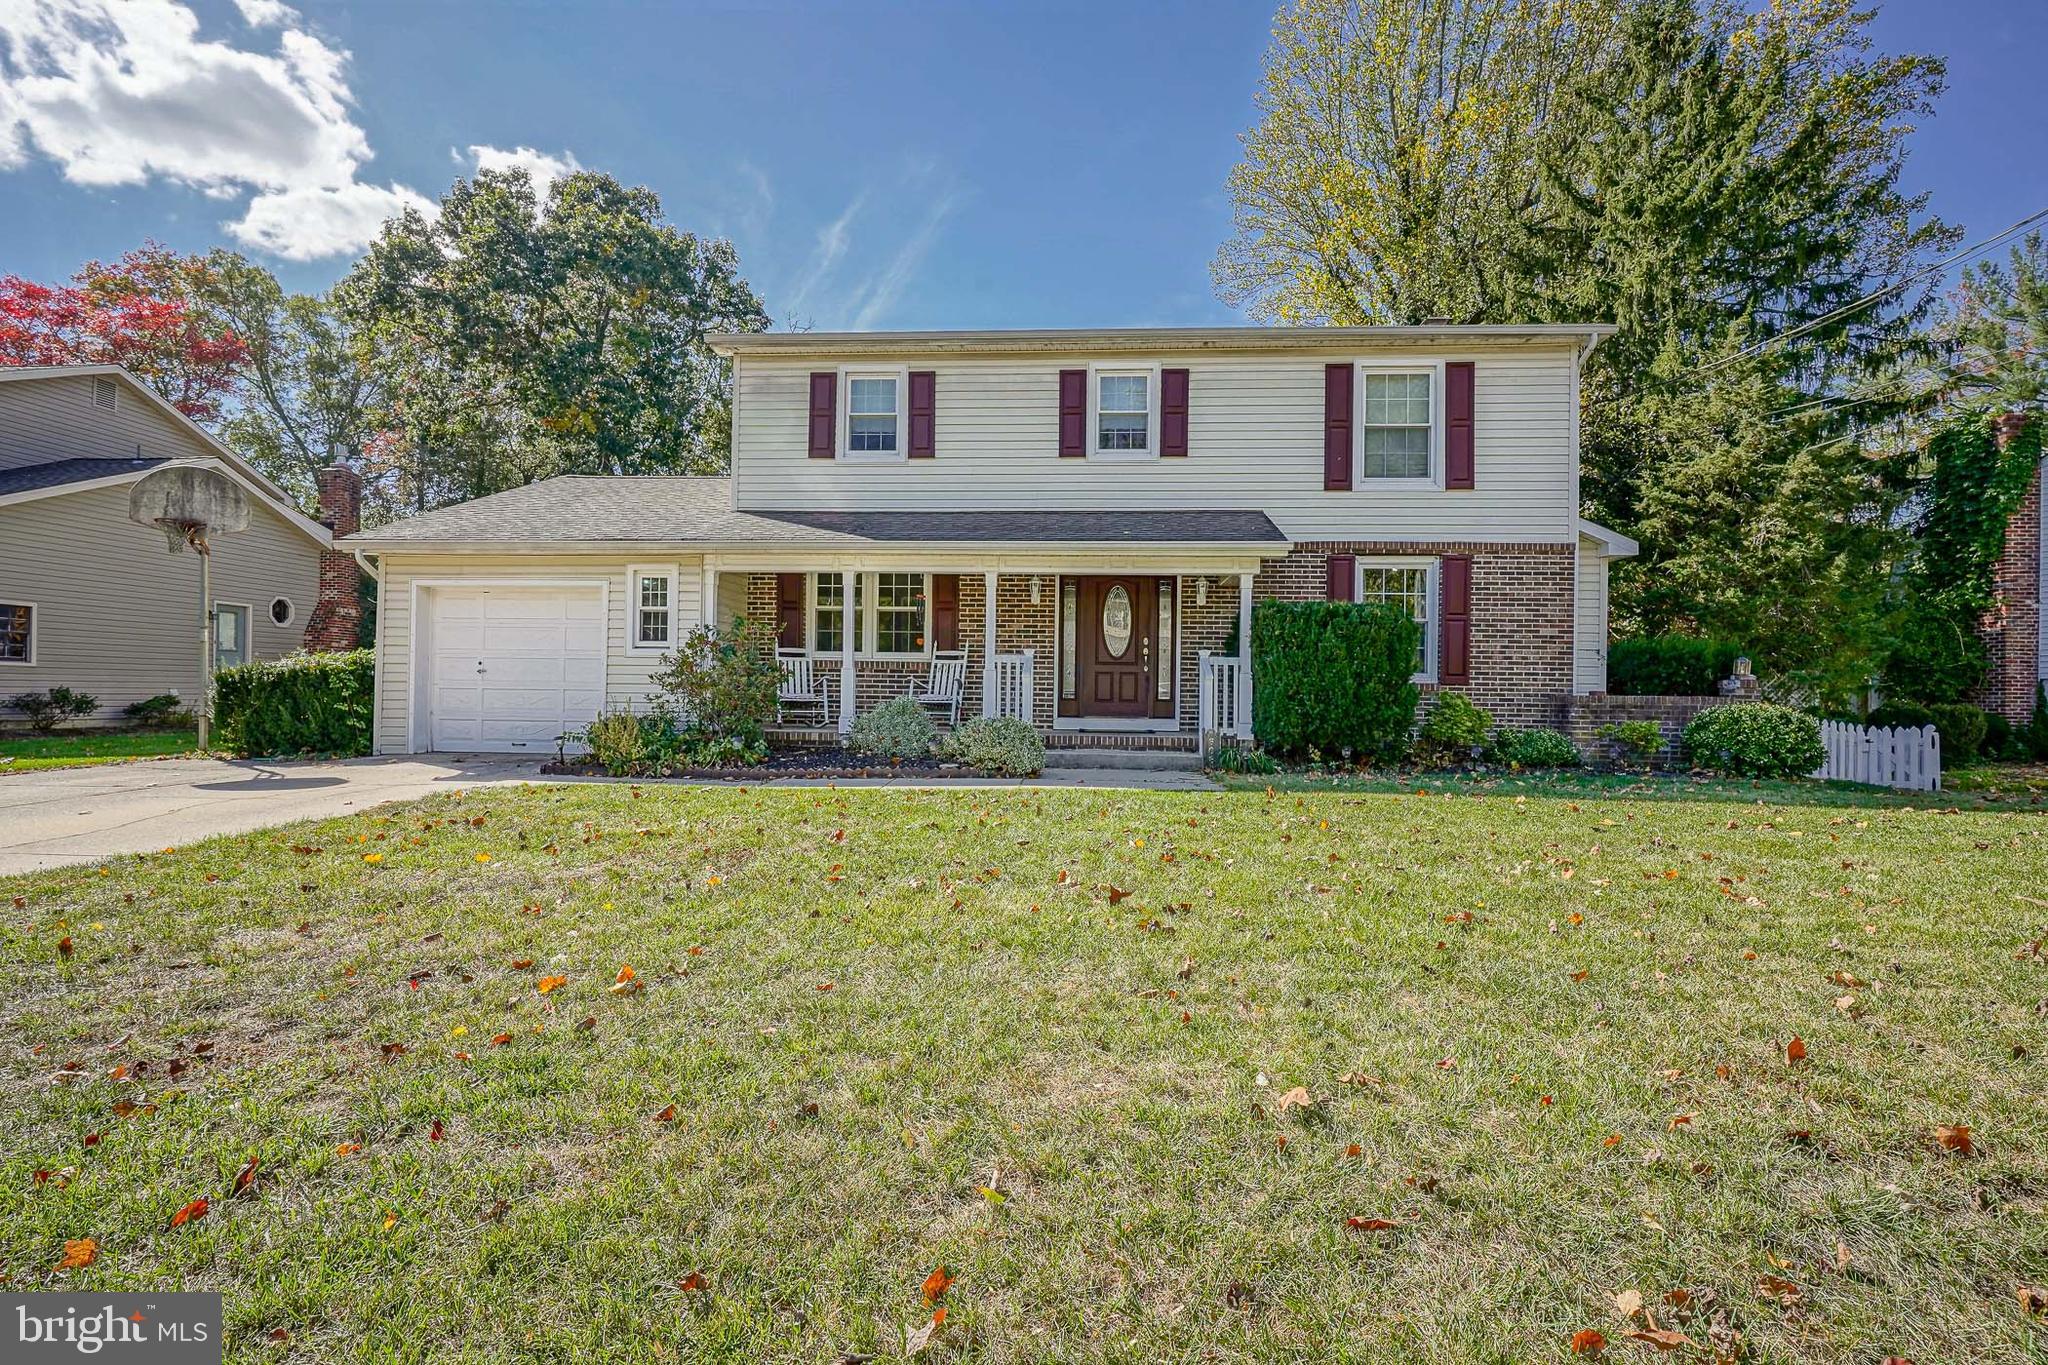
[(512, 668)]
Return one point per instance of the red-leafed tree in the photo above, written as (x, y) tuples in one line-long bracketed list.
[(145, 312)]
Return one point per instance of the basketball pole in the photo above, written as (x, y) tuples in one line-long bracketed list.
[(198, 539)]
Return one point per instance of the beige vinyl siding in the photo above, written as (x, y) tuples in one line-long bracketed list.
[(627, 670), (117, 615), (53, 418), (1589, 643), (1255, 441)]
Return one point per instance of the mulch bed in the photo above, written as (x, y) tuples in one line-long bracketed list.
[(794, 761)]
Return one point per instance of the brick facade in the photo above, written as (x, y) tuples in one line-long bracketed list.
[(1523, 616), (2011, 630), (336, 622)]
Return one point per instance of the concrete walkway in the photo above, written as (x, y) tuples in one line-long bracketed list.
[(81, 815)]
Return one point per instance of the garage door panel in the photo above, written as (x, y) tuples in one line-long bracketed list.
[(513, 667)]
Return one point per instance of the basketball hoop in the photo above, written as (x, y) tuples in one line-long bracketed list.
[(188, 503), (180, 534)]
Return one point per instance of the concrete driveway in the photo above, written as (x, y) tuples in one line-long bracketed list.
[(81, 815)]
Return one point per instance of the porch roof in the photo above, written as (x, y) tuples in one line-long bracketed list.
[(656, 512)]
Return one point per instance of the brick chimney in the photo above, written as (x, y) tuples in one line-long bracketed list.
[(337, 619), (2011, 629)]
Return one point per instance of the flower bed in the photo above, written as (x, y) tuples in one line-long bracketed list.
[(825, 761)]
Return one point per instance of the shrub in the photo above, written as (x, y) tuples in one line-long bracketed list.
[(47, 710), (1755, 739), (1669, 666), (157, 710), (1002, 747), (300, 704), (1452, 730), (617, 743), (2034, 737), (722, 682), (1333, 679), (1537, 748), (1895, 715), (894, 730), (1243, 758), (1641, 740), (2001, 741), (1962, 728)]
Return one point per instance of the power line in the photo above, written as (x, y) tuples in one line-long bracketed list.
[(1872, 297)]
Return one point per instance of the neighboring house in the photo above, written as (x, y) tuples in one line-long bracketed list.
[(91, 601), (1088, 515)]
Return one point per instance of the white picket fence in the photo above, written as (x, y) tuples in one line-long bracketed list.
[(1223, 699), (1014, 686), (1880, 757)]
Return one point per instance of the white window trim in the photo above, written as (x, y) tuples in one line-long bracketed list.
[(291, 612), (1434, 368), (844, 417), (634, 573), (869, 594), (35, 621), (1094, 437), (1432, 600), (248, 610)]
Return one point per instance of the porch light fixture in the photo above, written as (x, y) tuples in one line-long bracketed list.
[(1034, 590), (1202, 591)]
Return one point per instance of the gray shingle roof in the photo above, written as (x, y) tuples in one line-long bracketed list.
[(662, 509), (56, 473)]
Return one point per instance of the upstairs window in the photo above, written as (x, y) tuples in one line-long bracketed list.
[(1123, 411), (1397, 420), (872, 415)]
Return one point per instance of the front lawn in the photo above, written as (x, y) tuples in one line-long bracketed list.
[(83, 748), (1154, 1076)]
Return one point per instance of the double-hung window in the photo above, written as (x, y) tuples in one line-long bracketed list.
[(890, 609), (874, 416), (1123, 412), (1410, 585), (17, 633), (651, 597), (1400, 426)]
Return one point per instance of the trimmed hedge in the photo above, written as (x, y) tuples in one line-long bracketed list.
[(999, 747), (300, 704), (1755, 739), (1538, 748), (897, 729), (1669, 666), (1333, 679)]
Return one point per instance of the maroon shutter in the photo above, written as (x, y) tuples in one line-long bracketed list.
[(1458, 424), (1337, 426), (923, 411), (1456, 664), (1341, 584), (1173, 412), (1073, 414), (946, 610), (789, 611), (824, 418)]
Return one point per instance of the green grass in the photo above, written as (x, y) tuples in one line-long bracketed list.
[(84, 748), (1110, 1068)]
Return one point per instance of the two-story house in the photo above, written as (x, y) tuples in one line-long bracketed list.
[(1086, 515)]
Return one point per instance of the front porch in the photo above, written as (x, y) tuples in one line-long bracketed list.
[(1124, 653)]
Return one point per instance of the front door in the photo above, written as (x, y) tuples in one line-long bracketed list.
[(1116, 649), (230, 635)]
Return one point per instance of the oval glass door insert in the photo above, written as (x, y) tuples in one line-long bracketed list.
[(1116, 621)]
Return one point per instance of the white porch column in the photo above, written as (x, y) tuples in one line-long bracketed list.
[(849, 583), (1244, 656), (708, 596), (988, 644)]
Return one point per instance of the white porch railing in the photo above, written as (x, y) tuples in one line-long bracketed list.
[(1223, 698), (1013, 686), (1880, 757)]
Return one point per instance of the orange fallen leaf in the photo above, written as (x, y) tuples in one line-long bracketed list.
[(500, 1039), (194, 1210), (625, 974), (1795, 1051), (693, 1283), (824, 985), (245, 1179), (1297, 1098), (1779, 1288), (521, 964), (348, 1149), (1677, 1120), (936, 1284), (1370, 1224), (79, 1253), (1611, 1140), (1587, 1342), (1660, 1337), (1956, 1138), (548, 983), (667, 1115), (1354, 1150)]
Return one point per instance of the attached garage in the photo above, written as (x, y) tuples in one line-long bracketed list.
[(507, 667)]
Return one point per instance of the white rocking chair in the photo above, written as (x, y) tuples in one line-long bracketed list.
[(940, 691), (800, 694)]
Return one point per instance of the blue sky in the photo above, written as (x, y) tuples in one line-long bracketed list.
[(878, 165)]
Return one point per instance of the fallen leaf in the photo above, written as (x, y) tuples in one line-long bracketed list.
[(64, 946), (1117, 893), (1662, 1338), (245, 1179), (936, 1284), (667, 1115), (1677, 1120), (1795, 1051), (79, 1253), (1587, 1342), (521, 964), (1354, 1150), (1297, 1098), (548, 983), (500, 1039), (435, 1132), (1628, 1303), (2033, 1298), (1956, 1138), (825, 985), (1778, 1288), (693, 1283), (348, 1149), (194, 1210), (915, 1342), (1369, 1224), (587, 1024)]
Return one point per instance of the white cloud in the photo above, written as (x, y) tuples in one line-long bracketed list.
[(544, 168), (885, 288), (833, 239), (860, 264), (125, 92)]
